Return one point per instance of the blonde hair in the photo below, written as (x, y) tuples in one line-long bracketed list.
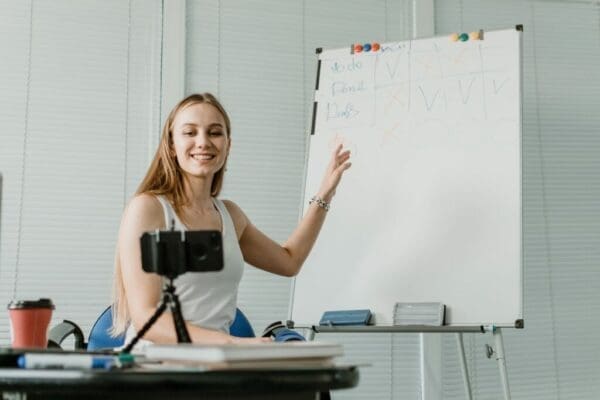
[(164, 177)]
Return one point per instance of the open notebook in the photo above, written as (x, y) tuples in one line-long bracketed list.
[(315, 351)]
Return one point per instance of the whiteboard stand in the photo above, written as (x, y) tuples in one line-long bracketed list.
[(499, 352), (459, 330), (463, 365)]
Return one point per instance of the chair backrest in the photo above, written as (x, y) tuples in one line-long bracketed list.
[(241, 326), (100, 337)]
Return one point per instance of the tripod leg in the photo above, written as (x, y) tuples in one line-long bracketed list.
[(161, 308), (182, 333)]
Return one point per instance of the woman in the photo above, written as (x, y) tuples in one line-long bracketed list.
[(180, 191)]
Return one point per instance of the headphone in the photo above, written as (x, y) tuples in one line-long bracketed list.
[(281, 332)]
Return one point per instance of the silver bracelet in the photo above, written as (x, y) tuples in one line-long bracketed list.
[(320, 202)]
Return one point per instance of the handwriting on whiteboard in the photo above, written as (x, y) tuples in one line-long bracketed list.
[(429, 82)]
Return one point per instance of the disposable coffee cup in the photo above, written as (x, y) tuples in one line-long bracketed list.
[(29, 320)]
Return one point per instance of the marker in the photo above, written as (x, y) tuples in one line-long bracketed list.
[(66, 361)]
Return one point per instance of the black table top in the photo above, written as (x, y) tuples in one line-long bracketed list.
[(290, 383)]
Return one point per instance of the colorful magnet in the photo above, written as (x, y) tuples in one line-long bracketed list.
[(454, 37), (474, 35), (375, 46), (367, 47), (358, 48), (463, 37)]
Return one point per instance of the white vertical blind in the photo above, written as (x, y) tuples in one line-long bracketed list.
[(259, 58), (556, 355), (79, 106)]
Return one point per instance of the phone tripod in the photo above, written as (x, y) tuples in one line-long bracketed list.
[(171, 300)]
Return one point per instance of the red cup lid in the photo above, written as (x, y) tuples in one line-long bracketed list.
[(24, 304)]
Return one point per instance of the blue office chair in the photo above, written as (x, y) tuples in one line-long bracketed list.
[(241, 326), (99, 337)]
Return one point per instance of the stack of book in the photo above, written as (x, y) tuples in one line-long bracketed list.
[(259, 355)]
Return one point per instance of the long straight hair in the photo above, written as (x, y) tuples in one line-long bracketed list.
[(164, 178)]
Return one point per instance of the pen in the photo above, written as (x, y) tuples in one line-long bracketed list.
[(66, 361)]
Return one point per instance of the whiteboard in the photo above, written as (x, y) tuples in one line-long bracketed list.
[(430, 210)]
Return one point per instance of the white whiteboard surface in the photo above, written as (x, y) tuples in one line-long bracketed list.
[(431, 209)]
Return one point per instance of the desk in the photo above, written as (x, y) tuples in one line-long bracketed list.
[(289, 384)]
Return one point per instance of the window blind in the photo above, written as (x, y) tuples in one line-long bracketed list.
[(554, 357), (79, 108)]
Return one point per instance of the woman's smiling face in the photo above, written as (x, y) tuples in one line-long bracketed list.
[(200, 140)]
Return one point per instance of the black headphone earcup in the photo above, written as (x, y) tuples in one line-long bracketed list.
[(270, 330), (281, 333)]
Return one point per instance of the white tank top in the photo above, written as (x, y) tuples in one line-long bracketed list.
[(208, 299)]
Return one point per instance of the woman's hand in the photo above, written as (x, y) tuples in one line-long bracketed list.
[(333, 174)]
